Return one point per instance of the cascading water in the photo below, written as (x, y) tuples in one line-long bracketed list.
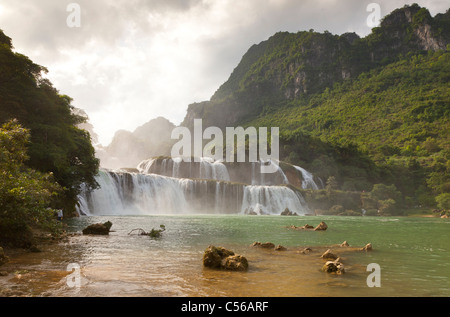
[(132, 193), (307, 179), (206, 168), (170, 186), (272, 200), (135, 193)]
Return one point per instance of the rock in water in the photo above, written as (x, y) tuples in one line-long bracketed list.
[(236, 263), (287, 212), (280, 248), (322, 226), (367, 247), (265, 245), (333, 267), (221, 258), (328, 255), (98, 228), (305, 251)]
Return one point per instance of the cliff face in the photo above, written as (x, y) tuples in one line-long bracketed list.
[(290, 66)]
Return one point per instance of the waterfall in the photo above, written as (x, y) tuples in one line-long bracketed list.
[(206, 168), (123, 193), (307, 179), (132, 193), (165, 185), (272, 200)]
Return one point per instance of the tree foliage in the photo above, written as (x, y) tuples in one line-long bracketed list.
[(56, 144), (26, 195), (364, 110)]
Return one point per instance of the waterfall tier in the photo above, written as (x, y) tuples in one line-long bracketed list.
[(137, 193), (246, 173)]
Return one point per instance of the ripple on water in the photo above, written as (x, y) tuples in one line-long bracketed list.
[(412, 254)]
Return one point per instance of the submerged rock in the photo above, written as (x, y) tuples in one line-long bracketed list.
[(321, 226), (265, 245), (367, 247), (287, 212), (280, 248), (333, 267), (98, 228), (328, 255), (305, 251), (221, 258)]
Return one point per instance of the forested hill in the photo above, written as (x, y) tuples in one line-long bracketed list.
[(55, 144), (363, 110)]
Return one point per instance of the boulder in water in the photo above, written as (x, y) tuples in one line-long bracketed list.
[(265, 245), (344, 244), (98, 228), (333, 267), (221, 258), (305, 251), (322, 226), (367, 247), (287, 212), (280, 248), (235, 263)]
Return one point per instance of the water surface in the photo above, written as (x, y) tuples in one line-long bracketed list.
[(413, 254)]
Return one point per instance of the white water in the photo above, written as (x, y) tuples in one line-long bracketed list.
[(259, 178), (272, 200), (307, 178), (134, 194), (210, 169), (123, 193), (207, 168)]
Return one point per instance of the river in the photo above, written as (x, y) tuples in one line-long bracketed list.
[(413, 255)]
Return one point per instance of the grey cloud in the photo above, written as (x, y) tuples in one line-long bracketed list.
[(131, 60)]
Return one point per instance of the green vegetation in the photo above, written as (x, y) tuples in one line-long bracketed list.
[(45, 157), (390, 125), (26, 195), (363, 111)]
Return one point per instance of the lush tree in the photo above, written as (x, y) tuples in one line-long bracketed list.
[(26, 196), (443, 201), (56, 144)]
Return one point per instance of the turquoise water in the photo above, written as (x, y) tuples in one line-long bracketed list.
[(413, 255)]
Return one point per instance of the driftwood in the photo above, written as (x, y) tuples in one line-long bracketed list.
[(154, 233)]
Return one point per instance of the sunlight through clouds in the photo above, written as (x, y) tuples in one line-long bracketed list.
[(132, 61)]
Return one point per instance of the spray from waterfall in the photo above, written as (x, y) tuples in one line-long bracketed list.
[(123, 193), (167, 185)]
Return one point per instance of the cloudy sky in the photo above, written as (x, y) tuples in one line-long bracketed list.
[(133, 60)]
